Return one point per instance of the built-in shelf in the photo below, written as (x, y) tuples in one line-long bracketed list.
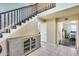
[(23, 46), (29, 44), (26, 49), (27, 41), (33, 46), (32, 43)]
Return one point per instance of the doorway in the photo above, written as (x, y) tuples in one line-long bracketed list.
[(43, 32), (66, 31)]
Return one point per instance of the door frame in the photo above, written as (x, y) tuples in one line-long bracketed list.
[(58, 36)]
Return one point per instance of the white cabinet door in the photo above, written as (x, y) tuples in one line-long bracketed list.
[(16, 47)]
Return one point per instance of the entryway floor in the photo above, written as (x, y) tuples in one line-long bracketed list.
[(48, 49)]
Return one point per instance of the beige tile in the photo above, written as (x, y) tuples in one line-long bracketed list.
[(48, 49)]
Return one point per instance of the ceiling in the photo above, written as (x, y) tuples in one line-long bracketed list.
[(63, 13)]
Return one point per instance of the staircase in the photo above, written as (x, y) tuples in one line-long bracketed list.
[(12, 20)]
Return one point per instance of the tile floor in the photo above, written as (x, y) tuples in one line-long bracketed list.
[(48, 49)]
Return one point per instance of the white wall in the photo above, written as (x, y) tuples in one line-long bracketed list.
[(30, 28), (9, 6), (59, 7), (51, 31)]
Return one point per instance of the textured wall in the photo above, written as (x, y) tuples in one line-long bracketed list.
[(10, 6)]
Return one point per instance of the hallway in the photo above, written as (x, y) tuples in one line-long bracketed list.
[(48, 49), (68, 43)]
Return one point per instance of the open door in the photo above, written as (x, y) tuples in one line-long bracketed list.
[(67, 33)]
